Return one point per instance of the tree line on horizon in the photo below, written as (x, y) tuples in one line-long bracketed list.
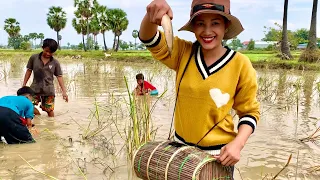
[(311, 53), (288, 40), (91, 19)]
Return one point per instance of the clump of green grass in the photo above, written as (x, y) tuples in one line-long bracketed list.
[(259, 58), (311, 56), (139, 130)]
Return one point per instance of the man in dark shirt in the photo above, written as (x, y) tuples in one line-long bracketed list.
[(44, 66)]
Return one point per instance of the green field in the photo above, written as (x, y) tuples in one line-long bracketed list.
[(261, 59)]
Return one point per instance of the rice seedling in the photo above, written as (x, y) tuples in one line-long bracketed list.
[(100, 119), (297, 87), (139, 130), (269, 176), (101, 126), (314, 169), (265, 92), (313, 137), (81, 169), (79, 163), (15, 172), (239, 172), (4, 73), (98, 144), (284, 167), (297, 164), (51, 177)]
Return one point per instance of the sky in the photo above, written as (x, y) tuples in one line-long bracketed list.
[(253, 14)]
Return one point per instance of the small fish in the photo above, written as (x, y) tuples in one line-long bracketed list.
[(168, 32)]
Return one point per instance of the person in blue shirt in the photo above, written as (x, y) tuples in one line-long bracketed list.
[(16, 114)]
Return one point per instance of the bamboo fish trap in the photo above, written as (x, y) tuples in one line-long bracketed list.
[(170, 160)]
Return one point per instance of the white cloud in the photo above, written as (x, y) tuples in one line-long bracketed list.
[(69, 10)]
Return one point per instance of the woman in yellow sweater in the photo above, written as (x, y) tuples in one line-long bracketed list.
[(211, 79)]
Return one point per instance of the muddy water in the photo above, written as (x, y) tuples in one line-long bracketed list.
[(290, 111)]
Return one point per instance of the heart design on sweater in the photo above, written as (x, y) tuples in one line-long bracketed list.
[(219, 98)]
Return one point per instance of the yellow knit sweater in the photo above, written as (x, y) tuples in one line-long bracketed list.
[(207, 94)]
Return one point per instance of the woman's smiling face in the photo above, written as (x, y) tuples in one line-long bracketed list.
[(209, 30)]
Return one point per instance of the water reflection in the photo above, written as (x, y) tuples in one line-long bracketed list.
[(283, 120)]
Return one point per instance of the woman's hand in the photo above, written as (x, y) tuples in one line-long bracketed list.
[(230, 153), (156, 9)]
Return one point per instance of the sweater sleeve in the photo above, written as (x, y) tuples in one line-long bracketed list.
[(159, 49), (246, 103)]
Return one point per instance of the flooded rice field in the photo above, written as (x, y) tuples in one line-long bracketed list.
[(88, 138)]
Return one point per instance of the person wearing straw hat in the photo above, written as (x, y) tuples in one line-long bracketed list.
[(211, 79)]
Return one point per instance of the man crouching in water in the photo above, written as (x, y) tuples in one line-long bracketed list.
[(16, 114)]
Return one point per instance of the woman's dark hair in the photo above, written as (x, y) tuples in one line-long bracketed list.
[(51, 44), (25, 90)]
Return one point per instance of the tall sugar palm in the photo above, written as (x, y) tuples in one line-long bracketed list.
[(95, 28), (34, 37), (41, 37), (118, 23), (85, 9), (135, 36), (104, 26), (12, 27), (80, 26), (57, 19), (310, 54), (284, 43)]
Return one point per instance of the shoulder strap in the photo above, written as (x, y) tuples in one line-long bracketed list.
[(194, 47)]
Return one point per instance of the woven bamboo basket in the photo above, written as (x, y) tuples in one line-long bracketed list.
[(169, 160)]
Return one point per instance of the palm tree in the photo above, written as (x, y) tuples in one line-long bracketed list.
[(118, 23), (131, 45), (122, 27), (310, 54), (26, 38), (57, 20), (97, 10), (12, 27), (284, 43), (59, 38), (33, 36), (85, 10), (104, 26), (41, 37), (95, 28), (135, 34), (80, 26)]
